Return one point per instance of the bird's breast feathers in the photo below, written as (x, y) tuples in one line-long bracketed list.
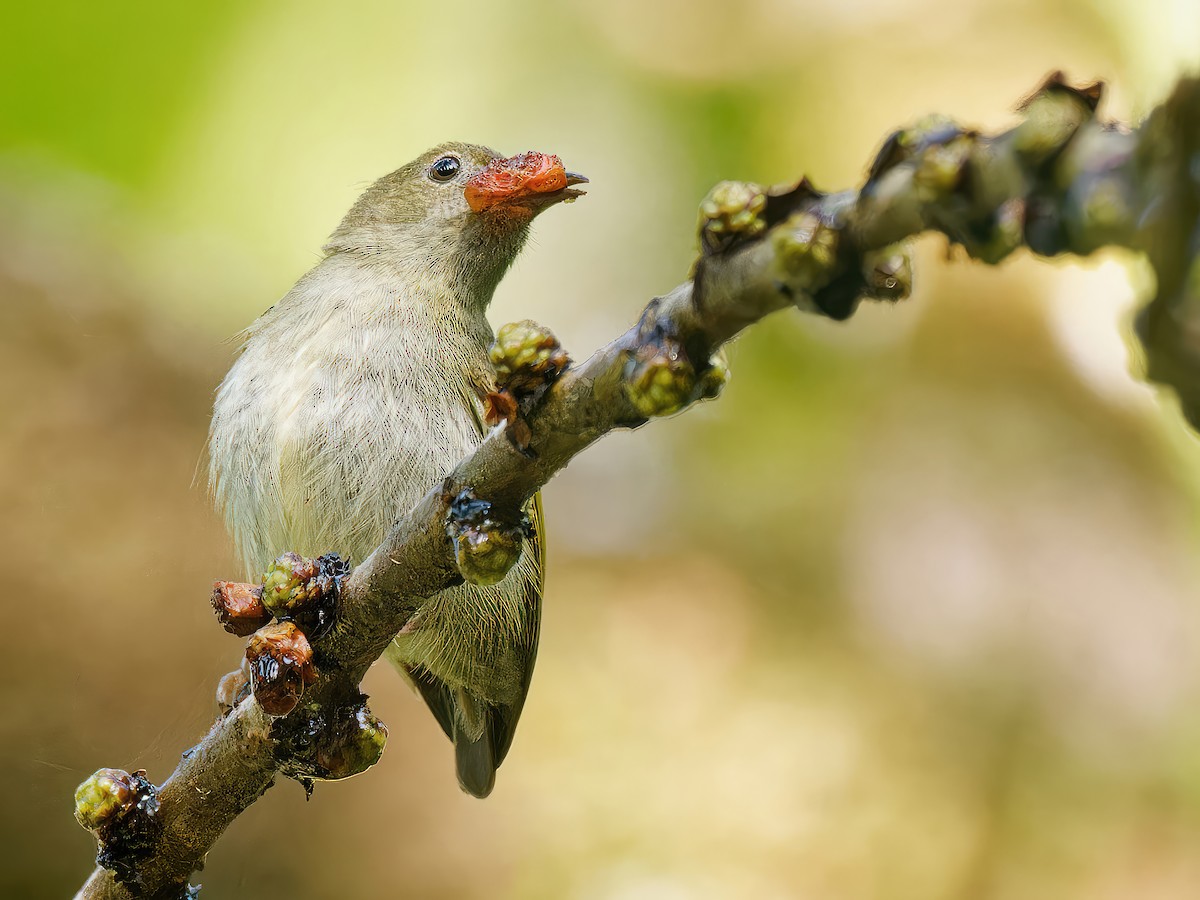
[(350, 400)]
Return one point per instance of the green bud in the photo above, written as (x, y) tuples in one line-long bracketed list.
[(102, 798), (714, 378), (305, 590), (731, 209), (660, 383), (806, 252), (356, 747), (1052, 116), (484, 555), (330, 743), (485, 546), (906, 143), (1105, 212), (933, 127), (526, 348), (285, 583), (1007, 234), (121, 809), (941, 166)]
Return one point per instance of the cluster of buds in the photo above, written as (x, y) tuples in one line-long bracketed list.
[(121, 810), (295, 605), (526, 356), (301, 596), (527, 359), (816, 261), (486, 545), (993, 195)]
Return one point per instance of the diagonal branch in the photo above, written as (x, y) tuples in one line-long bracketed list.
[(1060, 181)]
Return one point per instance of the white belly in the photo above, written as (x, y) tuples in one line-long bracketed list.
[(337, 420)]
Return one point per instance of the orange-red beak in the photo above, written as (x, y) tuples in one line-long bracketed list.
[(536, 178)]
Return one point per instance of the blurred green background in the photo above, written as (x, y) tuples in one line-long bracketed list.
[(910, 613)]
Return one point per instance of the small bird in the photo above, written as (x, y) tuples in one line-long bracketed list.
[(362, 388)]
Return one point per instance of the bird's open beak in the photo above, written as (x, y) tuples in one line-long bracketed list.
[(528, 180)]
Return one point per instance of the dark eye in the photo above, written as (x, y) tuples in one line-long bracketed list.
[(444, 169)]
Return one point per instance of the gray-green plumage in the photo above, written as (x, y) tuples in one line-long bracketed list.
[(355, 394)]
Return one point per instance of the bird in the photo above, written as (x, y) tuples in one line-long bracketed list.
[(359, 391)]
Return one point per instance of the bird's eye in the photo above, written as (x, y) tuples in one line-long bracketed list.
[(444, 169)]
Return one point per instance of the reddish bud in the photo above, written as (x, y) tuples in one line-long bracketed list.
[(281, 667), (239, 607)]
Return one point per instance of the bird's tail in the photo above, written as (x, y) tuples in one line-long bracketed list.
[(480, 731), (474, 734)]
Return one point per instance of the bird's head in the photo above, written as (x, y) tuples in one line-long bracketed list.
[(461, 203)]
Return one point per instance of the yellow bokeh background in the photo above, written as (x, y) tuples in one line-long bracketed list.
[(911, 612)]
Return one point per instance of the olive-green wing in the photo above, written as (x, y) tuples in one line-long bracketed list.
[(482, 732), (504, 720)]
